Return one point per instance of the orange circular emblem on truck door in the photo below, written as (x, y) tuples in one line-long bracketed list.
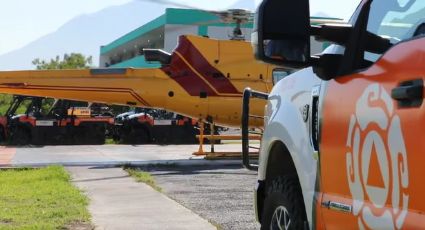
[(376, 163)]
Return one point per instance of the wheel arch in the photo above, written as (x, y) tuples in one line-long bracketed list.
[(280, 162)]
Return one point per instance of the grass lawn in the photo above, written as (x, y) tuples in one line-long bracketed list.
[(41, 199)]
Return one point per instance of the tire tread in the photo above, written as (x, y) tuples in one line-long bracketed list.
[(289, 190)]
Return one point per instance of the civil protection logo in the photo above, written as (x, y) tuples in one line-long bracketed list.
[(376, 162)]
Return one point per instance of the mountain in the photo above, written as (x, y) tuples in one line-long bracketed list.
[(84, 34)]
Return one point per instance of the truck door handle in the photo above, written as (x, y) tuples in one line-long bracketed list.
[(409, 93)]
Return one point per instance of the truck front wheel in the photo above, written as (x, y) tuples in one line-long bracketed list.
[(284, 205)]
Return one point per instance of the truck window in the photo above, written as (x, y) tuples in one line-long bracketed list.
[(5, 102), (23, 106), (395, 19), (279, 74), (47, 105)]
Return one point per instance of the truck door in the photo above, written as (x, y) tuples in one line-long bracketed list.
[(372, 143)]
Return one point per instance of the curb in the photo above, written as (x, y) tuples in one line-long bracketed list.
[(190, 162)]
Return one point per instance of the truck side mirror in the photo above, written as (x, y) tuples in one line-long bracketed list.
[(282, 33)]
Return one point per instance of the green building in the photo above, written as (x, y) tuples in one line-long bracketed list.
[(163, 33)]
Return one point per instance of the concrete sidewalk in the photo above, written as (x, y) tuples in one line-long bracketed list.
[(118, 202)]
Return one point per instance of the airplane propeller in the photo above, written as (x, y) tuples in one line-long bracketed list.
[(229, 16)]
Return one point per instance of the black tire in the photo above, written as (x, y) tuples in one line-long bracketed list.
[(284, 202), (125, 134), (96, 135), (20, 136), (79, 136), (2, 135), (141, 135), (99, 139), (135, 135), (61, 139)]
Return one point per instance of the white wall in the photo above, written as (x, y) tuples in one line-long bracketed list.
[(173, 32), (225, 33), (102, 60)]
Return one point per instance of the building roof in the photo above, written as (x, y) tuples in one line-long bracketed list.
[(138, 61), (172, 16)]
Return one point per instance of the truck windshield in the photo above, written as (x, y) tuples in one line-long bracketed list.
[(396, 20)]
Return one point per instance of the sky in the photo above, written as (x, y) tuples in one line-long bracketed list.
[(23, 21)]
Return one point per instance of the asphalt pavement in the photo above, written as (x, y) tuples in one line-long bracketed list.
[(223, 194)]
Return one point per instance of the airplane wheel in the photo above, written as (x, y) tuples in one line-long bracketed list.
[(284, 205)]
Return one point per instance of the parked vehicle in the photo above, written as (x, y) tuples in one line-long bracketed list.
[(62, 122), (143, 126)]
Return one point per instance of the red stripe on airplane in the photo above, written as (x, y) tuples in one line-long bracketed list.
[(214, 76), (179, 71)]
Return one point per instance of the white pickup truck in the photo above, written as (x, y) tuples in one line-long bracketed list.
[(343, 145)]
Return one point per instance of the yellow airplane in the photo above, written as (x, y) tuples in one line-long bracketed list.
[(203, 78)]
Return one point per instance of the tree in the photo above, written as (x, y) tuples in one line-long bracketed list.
[(70, 61)]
